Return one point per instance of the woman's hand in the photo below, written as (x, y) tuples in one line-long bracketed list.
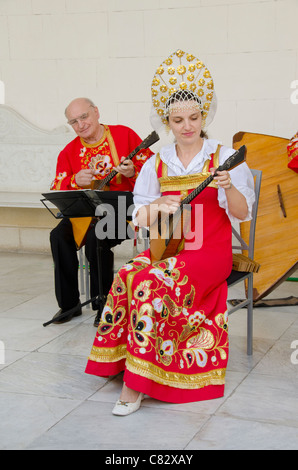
[(222, 178), (236, 201), (165, 204)]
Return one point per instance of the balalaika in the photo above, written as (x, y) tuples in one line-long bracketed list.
[(81, 225), (168, 231), (150, 140)]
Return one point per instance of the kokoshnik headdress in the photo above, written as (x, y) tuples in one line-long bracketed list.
[(182, 78)]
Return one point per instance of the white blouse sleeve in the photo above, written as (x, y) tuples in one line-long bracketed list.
[(147, 187), (242, 179)]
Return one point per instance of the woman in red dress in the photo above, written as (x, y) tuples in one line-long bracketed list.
[(165, 323)]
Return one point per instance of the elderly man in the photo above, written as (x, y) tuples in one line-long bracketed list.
[(94, 153)]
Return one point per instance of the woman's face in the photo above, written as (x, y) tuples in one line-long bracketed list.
[(186, 123)]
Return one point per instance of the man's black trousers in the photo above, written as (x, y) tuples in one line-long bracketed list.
[(64, 252)]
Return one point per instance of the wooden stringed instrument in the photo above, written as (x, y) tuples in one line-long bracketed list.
[(81, 225), (168, 230), (276, 241), (150, 140)]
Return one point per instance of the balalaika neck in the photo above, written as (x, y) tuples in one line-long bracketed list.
[(196, 191), (113, 173), (231, 162), (150, 140)]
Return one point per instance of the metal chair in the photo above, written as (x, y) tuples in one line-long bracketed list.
[(84, 280), (239, 276), (84, 272)]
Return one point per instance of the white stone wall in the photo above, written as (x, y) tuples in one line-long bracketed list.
[(108, 50)]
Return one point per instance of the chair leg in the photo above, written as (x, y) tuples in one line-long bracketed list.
[(81, 268), (250, 316), (87, 280), (84, 275)]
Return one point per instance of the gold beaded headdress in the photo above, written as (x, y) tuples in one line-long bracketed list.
[(184, 78)]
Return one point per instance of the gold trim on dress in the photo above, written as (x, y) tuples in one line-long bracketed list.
[(216, 156), (106, 355), (184, 183), (206, 167), (173, 379), (157, 161), (157, 374)]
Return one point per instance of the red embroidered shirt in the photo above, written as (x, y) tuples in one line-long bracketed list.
[(117, 141)]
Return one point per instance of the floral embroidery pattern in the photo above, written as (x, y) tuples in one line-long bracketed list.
[(110, 317), (142, 324), (180, 336), (142, 292), (58, 179), (101, 164), (118, 286), (174, 330)]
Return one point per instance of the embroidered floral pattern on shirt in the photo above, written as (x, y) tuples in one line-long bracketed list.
[(101, 164)]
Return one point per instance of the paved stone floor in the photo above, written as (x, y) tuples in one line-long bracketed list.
[(48, 402)]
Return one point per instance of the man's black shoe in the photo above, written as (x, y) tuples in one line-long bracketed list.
[(75, 313), (99, 312), (97, 319)]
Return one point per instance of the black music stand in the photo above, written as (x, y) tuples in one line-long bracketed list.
[(88, 203)]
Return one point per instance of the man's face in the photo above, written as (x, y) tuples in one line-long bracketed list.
[(83, 117)]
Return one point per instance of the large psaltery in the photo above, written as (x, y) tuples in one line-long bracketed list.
[(276, 241)]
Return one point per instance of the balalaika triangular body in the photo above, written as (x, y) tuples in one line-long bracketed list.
[(168, 231)]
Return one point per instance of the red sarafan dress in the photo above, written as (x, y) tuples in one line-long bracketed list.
[(165, 324)]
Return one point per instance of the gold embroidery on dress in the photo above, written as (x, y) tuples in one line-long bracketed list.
[(186, 182), (118, 286), (157, 161), (111, 316), (216, 156), (100, 354), (166, 349), (173, 379), (142, 292), (142, 323)]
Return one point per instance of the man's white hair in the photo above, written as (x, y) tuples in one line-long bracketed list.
[(88, 101)]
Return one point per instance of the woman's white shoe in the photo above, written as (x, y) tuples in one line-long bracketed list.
[(124, 408)]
